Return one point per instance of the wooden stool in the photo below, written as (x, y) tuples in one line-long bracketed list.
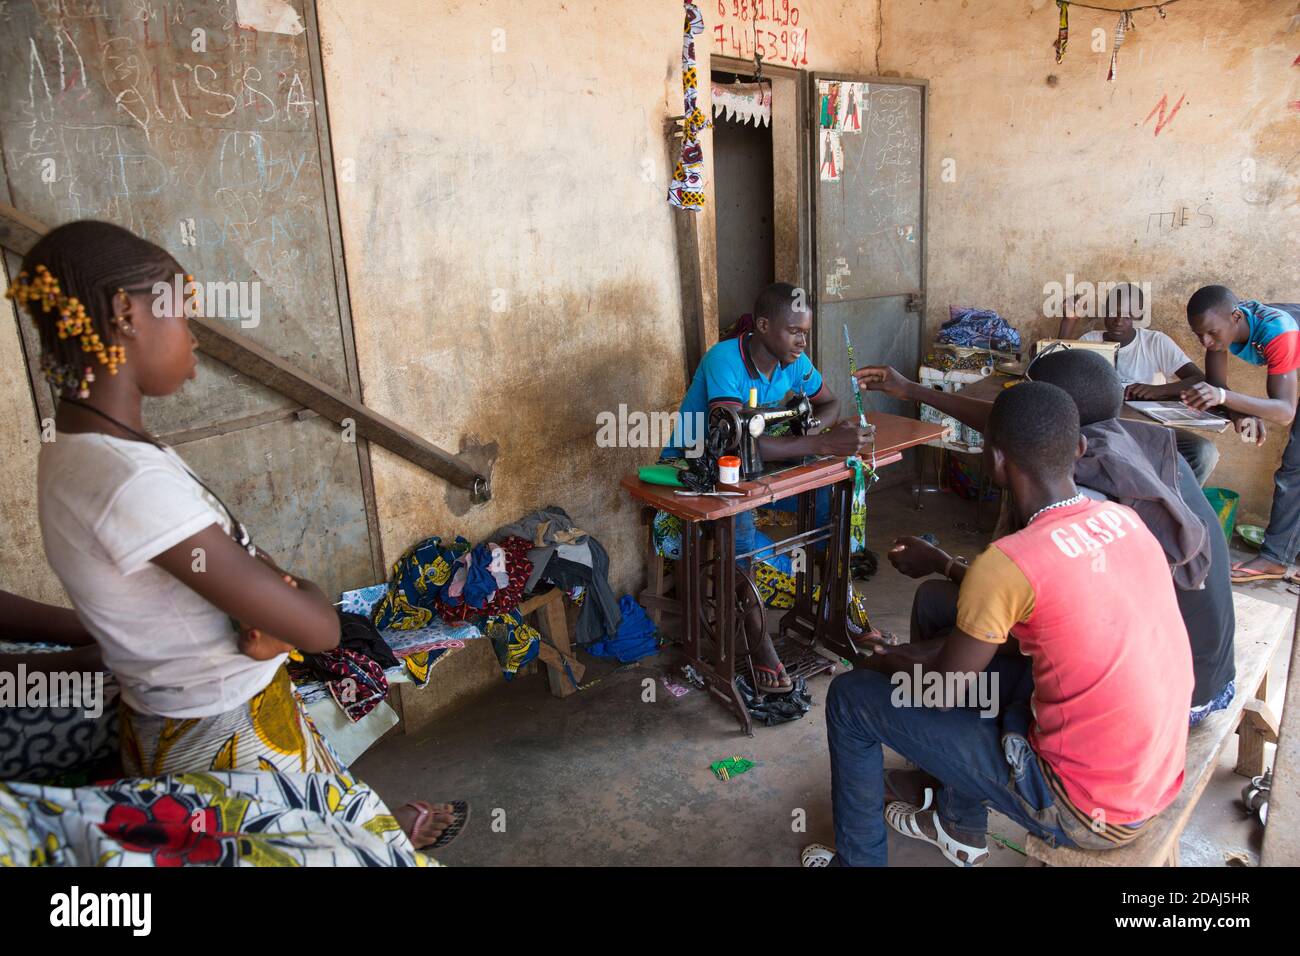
[(555, 651)]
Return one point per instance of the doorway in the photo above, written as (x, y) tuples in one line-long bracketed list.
[(742, 167), (759, 172)]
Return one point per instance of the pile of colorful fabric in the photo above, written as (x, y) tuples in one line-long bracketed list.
[(456, 582), (353, 672), (567, 557), (978, 328)]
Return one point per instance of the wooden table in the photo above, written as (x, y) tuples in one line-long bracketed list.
[(714, 618)]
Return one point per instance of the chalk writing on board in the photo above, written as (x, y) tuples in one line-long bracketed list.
[(112, 110), (871, 219)]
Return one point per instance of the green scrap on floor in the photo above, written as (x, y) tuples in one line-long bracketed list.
[(1007, 843), (729, 767)]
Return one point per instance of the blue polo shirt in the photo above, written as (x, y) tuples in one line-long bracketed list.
[(725, 377)]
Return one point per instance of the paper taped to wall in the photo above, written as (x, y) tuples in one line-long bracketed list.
[(269, 16)]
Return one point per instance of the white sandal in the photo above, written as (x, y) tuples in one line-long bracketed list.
[(927, 794), (814, 854), (902, 817)]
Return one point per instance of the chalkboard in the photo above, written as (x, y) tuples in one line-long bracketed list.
[(868, 197), (208, 138)]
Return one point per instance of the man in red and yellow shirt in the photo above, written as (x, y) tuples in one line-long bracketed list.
[(1060, 698)]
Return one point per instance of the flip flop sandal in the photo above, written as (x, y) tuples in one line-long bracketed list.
[(1246, 575), (902, 817), (814, 854), (884, 637), (1255, 794), (459, 818), (783, 686)]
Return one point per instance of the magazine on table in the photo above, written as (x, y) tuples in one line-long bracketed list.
[(1180, 415)]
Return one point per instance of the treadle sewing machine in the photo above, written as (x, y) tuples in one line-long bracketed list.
[(706, 577), (736, 431)]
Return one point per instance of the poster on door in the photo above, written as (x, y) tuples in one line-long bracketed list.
[(841, 105), (832, 156)]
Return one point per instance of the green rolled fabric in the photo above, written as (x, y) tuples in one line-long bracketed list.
[(660, 475)]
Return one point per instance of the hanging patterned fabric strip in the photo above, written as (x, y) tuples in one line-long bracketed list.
[(1063, 31), (1123, 26), (858, 505), (686, 191)]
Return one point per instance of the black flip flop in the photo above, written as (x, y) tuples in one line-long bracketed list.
[(459, 819)]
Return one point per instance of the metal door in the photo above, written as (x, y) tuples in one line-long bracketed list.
[(868, 226)]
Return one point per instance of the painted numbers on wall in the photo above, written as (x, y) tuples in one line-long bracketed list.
[(769, 27)]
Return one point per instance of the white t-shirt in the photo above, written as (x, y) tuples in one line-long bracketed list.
[(1149, 355), (108, 506)]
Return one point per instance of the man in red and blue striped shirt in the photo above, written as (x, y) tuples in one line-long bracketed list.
[(1264, 335)]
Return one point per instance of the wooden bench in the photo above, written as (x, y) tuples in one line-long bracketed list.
[(1282, 835), (1260, 629), (555, 651)]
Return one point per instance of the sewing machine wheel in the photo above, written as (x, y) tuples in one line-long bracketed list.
[(724, 431)]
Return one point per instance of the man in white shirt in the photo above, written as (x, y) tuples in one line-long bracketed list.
[(1151, 367)]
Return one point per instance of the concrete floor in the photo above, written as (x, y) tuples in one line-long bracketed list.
[(610, 777)]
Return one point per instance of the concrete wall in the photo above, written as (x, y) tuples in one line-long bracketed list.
[(1059, 171)]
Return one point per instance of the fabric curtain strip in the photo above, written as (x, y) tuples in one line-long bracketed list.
[(686, 191)]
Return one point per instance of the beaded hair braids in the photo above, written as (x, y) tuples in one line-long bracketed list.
[(67, 284)]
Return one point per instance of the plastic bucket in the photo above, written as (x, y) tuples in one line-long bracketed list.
[(1224, 502)]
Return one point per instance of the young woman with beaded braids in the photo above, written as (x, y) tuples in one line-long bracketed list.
[(193, 620)]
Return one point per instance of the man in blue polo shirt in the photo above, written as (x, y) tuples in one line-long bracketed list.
[(769, 355)]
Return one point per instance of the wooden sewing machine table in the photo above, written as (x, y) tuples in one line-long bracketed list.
[(710, 616)]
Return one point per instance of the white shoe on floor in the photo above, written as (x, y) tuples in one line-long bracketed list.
[(814, 854)]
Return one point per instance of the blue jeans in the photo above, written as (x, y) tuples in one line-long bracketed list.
[(1201, 453), (1282, 537), (982, 762), (749, 537)]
